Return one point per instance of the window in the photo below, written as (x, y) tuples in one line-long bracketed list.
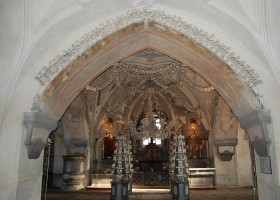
[(147, 141)]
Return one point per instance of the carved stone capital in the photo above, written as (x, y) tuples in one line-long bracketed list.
[(38, 126), (257, 124), (226, 148)]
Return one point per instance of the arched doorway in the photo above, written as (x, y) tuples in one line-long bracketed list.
[(65, 87)]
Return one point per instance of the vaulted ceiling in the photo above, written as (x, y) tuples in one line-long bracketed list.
[(129, 63), (122, 91)]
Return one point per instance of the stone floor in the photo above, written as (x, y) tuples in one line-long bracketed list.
[(154, 194)]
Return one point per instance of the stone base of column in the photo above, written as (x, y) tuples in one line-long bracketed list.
[(119, 190), (73, 182), (73, 172), (180, 190)]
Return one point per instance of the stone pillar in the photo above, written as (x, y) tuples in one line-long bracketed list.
[(73, 172), (119, 190), (225, 132), (180, 190), (94, 157), (37, 128), (60, 150)]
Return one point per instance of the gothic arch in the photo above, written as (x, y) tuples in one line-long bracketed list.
[(73, 79), (231, 77)]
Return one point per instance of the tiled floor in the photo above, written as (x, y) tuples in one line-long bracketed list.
[(218, 194)]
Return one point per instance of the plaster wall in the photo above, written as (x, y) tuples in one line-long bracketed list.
[(10, 143), (243, 160), (20, 176), (30, 177), (225, 171), (267, 189), (60, 150)]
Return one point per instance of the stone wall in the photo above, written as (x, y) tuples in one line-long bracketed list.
[(243, 160)]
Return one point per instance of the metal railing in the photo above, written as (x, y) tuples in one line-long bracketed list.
[(151, 178)]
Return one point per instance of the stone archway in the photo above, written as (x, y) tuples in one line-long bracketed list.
[(165, 38)]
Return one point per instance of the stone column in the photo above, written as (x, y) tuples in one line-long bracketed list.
[(95, 157), (73, 172), (37, 128)]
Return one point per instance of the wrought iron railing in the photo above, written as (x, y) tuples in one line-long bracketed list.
[(151, 178)]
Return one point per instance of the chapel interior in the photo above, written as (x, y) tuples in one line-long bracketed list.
[(147, 97), (103, 99)]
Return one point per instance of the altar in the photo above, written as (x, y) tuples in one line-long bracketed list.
[(151, 163), (201, 177), (101, 180)]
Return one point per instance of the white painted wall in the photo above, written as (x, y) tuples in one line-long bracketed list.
[(225, 171), (238, 171), (243, 160)]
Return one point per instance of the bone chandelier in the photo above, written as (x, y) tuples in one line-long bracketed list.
[(146, 78), (154, 123)]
